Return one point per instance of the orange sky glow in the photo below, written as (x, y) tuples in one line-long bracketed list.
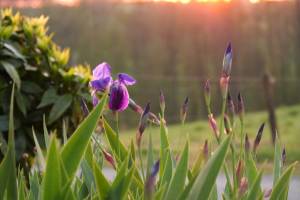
[(39, 3)]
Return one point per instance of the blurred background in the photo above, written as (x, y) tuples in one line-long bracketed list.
[(176, 45)]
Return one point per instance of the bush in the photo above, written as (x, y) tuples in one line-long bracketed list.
[(45, 83)]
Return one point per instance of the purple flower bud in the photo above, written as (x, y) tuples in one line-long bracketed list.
[(240, 107), (258, 137), (155, 169), (247, 143), (142, 124), (84, 107), (108, 157), (213, 125), (227, 61), (283, 156), (230, 104), (243, 186), (150, 182), (135, 107), (138, 109), (227, 125), (267, 193), (183, 110), (205, 149), (239, 171)]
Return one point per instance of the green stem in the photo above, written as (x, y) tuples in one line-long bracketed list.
[(118, 133), (142, 165)]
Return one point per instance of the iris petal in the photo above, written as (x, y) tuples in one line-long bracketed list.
[(119, 97), (102, 71), (126, 79), (101, 84)]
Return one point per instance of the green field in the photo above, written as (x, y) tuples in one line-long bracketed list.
[(288, 121)]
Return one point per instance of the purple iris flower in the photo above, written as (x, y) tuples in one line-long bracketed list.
[(101, 79), (119, 97)]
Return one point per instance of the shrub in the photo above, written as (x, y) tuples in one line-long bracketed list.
[(45, 83), (74, 169)]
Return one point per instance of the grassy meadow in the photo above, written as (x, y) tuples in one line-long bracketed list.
[(288, 122)]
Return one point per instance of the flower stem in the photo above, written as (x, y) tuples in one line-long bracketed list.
[(118, 133), (141, 162)]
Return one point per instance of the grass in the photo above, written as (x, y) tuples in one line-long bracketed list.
[(288, 119)]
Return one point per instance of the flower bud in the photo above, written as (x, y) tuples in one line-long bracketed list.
[(224, 82), (138, 109), (240, 107), (227, 125), (108, 157), (283, 156), (143, 124), (227, 61), (183, 110), (258, 137), (150, 182), (239, 171), (247, 143), (205, 149), (267, 192), (230, 105), (243, 186), (213, 125)]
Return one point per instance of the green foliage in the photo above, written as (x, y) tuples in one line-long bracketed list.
[(72, 170), (45, 83)]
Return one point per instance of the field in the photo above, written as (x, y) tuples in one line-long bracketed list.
[(288, 122)]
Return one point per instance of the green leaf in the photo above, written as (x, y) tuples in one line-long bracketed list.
[(14, 51), (34, 183), (60, 106), (49, 97), (52, 182), (120, 186), (8, 170), (150, 159), (22, 189), (114, 142), (208, 175), (255, 190), (282, 184), (277, 161), (40, 155), (12, 72), (103, 186), (74, 149), (250, 168), (46, 134), (21, 102), (168, 171), (177, 183), (164, 145), (31, 87)]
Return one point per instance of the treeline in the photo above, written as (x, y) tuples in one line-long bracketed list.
[(176, 47)]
